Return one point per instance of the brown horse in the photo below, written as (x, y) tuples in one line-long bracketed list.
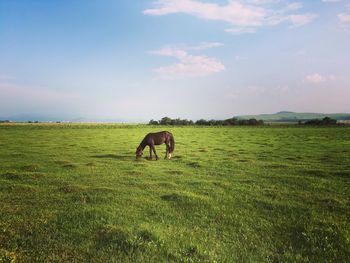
[(157, 138)]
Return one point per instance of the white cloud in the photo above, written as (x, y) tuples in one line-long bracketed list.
[(317, 78), (344, 18), (294, 6), (243, 17), (301, 20), (199, 47), (241, 30), (206, 45), (188, 65), (261, 2), (234, 12), (331, 1)]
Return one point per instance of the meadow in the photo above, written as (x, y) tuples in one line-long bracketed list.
[(76, 193)]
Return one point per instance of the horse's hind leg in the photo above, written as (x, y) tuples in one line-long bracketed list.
[(168, 153), (167, 150)]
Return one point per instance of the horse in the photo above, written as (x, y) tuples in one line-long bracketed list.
[(157, 138)]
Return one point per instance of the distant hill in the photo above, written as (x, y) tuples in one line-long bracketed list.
[(287, 116), (48, 118)]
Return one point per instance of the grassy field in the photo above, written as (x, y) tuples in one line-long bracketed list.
[(75, 193)]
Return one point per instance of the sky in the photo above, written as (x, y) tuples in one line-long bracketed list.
[(140, 60)]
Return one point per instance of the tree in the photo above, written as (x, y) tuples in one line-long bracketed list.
[(231, 121), (201, 122), (252, 122), (165, 121), (324, 121), (329, 121), (212, 122), (153, 122)]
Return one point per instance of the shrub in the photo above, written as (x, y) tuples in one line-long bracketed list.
[(324, 121), (153, 122)]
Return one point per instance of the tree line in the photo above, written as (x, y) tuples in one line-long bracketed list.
[(324, 121), (202, 122)]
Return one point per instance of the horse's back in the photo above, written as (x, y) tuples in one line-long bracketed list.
[(158, 137), (161, 133)]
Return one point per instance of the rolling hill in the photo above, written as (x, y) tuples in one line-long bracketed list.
[(287, 116)]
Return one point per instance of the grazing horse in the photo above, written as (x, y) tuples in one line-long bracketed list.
[(157, 138)]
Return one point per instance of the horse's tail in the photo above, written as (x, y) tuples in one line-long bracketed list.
[(172, 143)]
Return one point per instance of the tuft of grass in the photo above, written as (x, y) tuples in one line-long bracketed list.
[(11, 175), (31, 168), (7, 257)]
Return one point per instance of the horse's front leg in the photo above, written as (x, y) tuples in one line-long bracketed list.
[(150, 152), (155, 153)]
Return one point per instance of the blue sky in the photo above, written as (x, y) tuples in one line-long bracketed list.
[(140, 60)]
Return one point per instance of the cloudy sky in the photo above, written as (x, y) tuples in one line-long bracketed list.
[(138, 60)]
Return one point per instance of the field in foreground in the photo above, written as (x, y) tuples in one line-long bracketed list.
[(268, 194)]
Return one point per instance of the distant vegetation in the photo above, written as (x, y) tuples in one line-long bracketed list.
[(169, 121), (324, 121), (202, 122), (286, 116)]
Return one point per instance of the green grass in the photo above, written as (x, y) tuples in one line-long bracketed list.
[(75, 193)]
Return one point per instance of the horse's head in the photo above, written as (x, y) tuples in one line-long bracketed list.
[(139, 152)]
